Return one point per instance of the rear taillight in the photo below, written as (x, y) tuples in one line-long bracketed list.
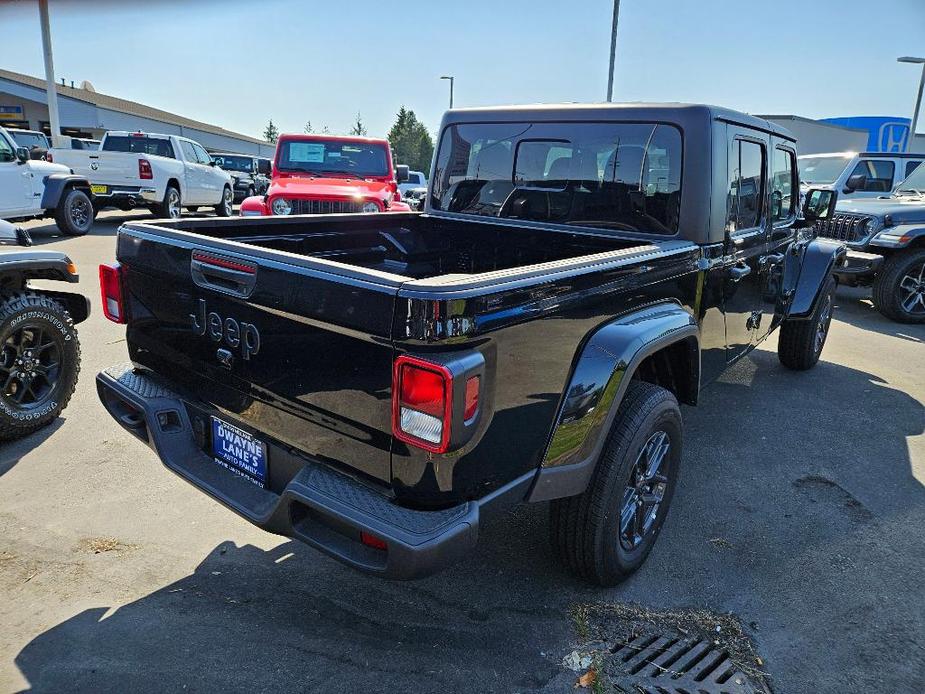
[(422, 403), (112, 293), (144, 170)]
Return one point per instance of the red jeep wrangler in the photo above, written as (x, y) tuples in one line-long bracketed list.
[(318, 174)]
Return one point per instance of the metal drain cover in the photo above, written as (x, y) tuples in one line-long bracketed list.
[(663, 664)]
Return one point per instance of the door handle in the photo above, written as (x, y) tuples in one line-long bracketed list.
[(737, 272)]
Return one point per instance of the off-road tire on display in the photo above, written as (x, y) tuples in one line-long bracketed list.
[(37, 334), (74, 214), (801, 341), (901, 278), (163, 208), (223, 209), (589, 531)]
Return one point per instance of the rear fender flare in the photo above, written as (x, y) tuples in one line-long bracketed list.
[(57, 183), (603, 369), (806, 269)]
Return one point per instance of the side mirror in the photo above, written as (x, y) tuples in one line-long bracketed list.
[(819, 205), (212, 162), (263, 166), (402, 173), (22, 154), (856, 182)]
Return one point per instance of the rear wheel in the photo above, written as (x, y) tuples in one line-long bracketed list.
[(801, 341), (223, 209), (899, 289), (170, 206), (606, 533), (39, 362), (74, 214)]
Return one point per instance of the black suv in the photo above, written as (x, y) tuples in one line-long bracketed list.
[(886, 247), (248, 173)]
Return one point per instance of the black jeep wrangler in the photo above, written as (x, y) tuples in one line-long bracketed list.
[(373, 384), (39, 349), (886, 247)]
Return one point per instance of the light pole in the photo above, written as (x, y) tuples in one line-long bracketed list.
[(51, 91), (918, 98), (451, 79), (613, 48)]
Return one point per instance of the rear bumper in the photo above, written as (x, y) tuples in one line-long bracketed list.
[(857, 265), (135, 194), (319, 506)]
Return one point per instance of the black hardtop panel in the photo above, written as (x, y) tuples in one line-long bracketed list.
[(689, 117)]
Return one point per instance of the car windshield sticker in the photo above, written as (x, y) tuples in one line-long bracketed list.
[(310, 152)]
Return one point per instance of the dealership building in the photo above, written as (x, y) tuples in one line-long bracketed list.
[(85, 112)]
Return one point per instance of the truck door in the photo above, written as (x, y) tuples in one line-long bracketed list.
[(746, 237), (15, 182), (213, 178), (195, 176)]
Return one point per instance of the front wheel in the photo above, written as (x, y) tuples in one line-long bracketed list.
[(74, 214), (39, 362), (899, 290), (605, 534), (801, 341), (223, 209)]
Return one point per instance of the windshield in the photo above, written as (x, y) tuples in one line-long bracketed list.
[(232, 163), (915, 182), (24, 139), (624, 176), (821, 169), (320, 156)]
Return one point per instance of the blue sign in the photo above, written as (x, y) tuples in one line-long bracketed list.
[(11, 112), (885, 133)]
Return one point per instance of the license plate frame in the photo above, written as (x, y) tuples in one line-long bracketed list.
[(239, 452)]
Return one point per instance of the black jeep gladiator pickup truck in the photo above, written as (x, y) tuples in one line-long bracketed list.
[(374, 384)]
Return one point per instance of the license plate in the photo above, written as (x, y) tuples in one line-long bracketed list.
[(99, 190), (236, 450)]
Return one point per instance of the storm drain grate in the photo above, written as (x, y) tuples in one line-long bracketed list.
[(664, 664)]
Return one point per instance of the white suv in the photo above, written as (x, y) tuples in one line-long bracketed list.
[(857, 174), (33, 188)]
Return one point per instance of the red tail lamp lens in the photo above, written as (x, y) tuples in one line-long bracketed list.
[(373, 541), (144, 170), (111, 293), (421, 404), (422, 390)]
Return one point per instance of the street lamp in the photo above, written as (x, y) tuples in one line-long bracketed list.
[(613, 48), (918, 98), (451, 79)]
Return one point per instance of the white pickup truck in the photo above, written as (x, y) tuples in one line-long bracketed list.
[(164, 173)]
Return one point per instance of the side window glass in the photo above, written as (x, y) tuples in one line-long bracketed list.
[(878, 175), (188, 152), (201, 154), (746, 185), (6, 152), (782, 199), (910, 167)]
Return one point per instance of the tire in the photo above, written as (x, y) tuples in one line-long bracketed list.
[(169, 208), (900, 283), (591, 532), (74, 214), (801, 341), (35, 333), (223, 209)]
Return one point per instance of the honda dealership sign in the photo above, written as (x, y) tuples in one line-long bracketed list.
[(885, 133)]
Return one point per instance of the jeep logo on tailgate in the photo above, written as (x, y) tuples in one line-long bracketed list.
[(243, 337)]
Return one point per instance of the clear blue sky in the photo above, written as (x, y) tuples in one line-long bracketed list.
[(236, 64)]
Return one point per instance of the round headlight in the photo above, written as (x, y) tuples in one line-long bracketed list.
[(370, 207), (281, 206)]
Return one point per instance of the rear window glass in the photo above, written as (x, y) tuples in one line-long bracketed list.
[(139, 145), (30, 139), (624, 176)]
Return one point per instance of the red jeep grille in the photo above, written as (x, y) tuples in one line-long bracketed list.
[(325, 206)]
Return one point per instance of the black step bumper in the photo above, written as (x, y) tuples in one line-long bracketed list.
[(319, 506)]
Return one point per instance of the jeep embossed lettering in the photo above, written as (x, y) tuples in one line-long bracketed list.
[(240, 336)]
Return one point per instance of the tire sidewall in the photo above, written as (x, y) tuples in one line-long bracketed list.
[(65, 221), (617, 559), (225, 205), (904, 266), (52, 318)]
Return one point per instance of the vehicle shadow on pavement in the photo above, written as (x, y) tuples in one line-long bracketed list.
[(853, 305), (797, 510), (12, 451), (49, 233)]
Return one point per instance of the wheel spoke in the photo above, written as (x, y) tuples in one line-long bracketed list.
[(910, 301), (909, 283)]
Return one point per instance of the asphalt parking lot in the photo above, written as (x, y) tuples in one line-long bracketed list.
[(801, 511)]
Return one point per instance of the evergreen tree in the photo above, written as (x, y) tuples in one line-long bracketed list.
[(358, 128), (271, 132), (411, 143)]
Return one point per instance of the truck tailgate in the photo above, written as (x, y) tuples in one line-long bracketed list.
[(301, 356)]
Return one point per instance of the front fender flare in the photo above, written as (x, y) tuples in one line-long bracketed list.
[(805, 271), (602, 372), (57, 183)]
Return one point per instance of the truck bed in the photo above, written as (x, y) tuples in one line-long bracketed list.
[(411, 248)]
